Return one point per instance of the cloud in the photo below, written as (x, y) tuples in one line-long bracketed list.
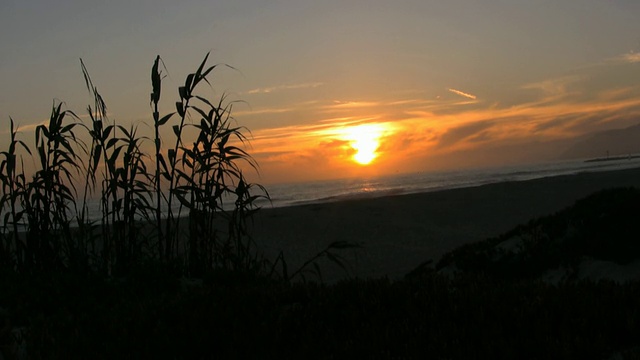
[(264, 111), (457, 134), (425, 129), (24, 129), (284, 87), (630, 58), (462, 93), (554, 88), (341, 105)]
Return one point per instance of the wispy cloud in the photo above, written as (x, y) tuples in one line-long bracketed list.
[(352, 104), (554, 90), (462, 93), (272, 89), (428, 130), (457, 134), (24, 129), (264, 111), (630, 57), (390, 108)]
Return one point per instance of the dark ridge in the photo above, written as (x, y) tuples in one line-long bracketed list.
[(601, 226)]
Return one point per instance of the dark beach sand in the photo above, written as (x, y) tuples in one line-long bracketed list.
[(398, 233)]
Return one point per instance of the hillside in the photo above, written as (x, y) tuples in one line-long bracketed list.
[(596, 238)]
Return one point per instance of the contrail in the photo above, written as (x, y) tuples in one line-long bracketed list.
[(461, 93)]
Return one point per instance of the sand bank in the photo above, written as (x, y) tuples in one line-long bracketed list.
[(400, 232)]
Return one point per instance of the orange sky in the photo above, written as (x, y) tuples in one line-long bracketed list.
[(421, 133), (439, 85)]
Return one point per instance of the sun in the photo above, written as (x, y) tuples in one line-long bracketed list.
[(365, 147), (365, 140)]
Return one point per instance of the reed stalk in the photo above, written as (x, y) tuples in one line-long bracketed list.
[(205, 177)]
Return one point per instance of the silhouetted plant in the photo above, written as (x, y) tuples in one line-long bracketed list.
[(246, 256), (102, 149), (50, 195), (199, 177), (203, 176), (14, 187), (207, 176), (330, 253), (134, 200), (186, 93), (161, 164)]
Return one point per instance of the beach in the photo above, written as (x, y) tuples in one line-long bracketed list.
[(398, 233)]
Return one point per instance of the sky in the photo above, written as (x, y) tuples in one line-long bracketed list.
[(333, 89)]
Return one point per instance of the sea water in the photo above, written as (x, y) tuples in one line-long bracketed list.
[(356, 188)]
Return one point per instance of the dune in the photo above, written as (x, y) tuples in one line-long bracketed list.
[(398, 233)]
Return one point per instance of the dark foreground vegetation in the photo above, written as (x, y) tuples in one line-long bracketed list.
[(500, 310), (602, 226), (190, 169), (152, 314), (136, 284)]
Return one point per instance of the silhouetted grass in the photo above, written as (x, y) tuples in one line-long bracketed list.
[(152, 314), (110, 288), (203, 175), (476, 314)]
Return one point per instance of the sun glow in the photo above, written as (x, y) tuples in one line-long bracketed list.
[(365, 140)]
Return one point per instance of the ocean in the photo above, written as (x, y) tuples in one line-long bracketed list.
[(355, 188), (358, 188)]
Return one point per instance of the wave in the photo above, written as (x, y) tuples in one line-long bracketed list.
[(366, 188), (354, 189)]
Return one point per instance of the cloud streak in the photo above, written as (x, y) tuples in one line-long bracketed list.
[(630, 58), (426, 130), (462, 93), (264, 111), (273, 89)]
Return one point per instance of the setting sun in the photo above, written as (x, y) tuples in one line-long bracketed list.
[(365, 140)]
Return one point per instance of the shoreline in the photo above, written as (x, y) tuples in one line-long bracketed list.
[(293, 194), (400, 232)]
